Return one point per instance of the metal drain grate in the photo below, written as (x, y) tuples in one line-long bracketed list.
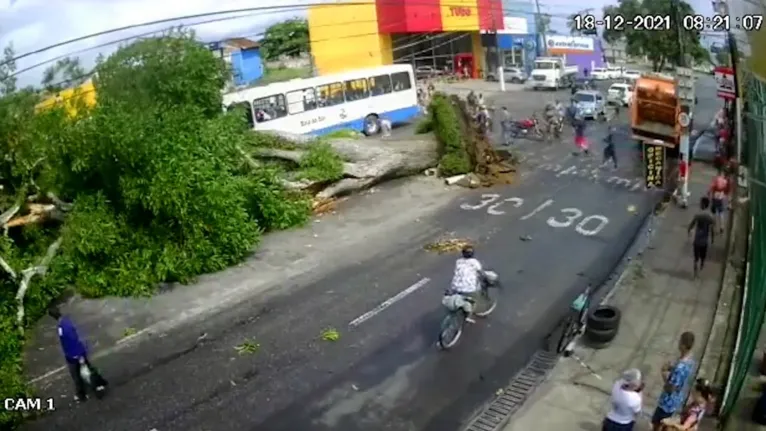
[(499, 412)]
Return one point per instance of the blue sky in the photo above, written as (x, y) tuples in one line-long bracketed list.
[(33, 24)]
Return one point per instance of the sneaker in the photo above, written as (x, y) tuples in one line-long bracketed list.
[(470, 320)]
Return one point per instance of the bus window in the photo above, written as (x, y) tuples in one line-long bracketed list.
[(269, 108), (356, 90), (247, 111), (330, 94), (301, 101), (380, 85), (401, 81)]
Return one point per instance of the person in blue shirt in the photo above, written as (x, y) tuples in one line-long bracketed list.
[(75, 354), (675, 375)]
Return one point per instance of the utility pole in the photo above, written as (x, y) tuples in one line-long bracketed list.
[(499, 56), (539, 19), (686, 99)]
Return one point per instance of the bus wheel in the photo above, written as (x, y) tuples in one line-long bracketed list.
[(371, 125)]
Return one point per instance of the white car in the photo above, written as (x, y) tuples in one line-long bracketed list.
[(615, 72), (631, 74), (600, 74), (620, 93)]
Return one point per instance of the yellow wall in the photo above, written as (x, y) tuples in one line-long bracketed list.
[(460, 15), (71, 98), (345, 37), (479, 59)]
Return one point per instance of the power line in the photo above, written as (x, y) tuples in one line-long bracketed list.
[(274, 9)]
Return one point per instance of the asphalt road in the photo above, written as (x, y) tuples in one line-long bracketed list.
[(384, 372)]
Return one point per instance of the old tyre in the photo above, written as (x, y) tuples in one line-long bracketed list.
[(604, 317), (600, 335)]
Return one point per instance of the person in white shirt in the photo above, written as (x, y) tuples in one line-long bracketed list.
[(467, 279), (626, 402)]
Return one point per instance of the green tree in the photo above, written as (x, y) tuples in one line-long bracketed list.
[(661, 47), (7, 69), (65, 73), (289, 38), (543, 23), (572, 24)]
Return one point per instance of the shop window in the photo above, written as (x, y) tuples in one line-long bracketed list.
[(247, 111), (357, 90), (301, 101), (401, 81), (269, 108), (330, 94), (380, 85)]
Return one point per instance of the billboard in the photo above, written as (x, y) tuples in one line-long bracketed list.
[(569, 44)]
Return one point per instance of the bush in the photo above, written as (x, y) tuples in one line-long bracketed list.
[(321, 163), (446, 124)]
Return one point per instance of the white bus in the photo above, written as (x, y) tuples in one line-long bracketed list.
[(316, 106)]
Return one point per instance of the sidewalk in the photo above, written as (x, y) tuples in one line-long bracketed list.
[(659, 300)]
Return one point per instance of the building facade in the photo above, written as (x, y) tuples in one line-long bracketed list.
[(584, 51), (441, 34), (517, 41), (244, 57)]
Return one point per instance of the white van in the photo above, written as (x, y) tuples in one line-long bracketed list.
[(615, 72), (600, 74)]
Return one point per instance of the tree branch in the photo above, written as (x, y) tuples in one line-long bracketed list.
[(7, 268), (27, 276)]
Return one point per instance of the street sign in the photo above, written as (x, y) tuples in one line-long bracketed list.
[(724, 81), (654, 165)]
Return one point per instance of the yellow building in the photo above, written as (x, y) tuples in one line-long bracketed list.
[(71, 98), (429, 33)]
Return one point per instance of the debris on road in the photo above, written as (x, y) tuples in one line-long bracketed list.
[(449, 245), (330, 334)]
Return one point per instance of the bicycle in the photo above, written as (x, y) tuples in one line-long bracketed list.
[(574, 323), (453, 323)]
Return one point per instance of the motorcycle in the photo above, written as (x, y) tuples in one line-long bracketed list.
[(484, 304), (526, 127)]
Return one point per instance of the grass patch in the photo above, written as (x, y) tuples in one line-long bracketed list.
[(343, 134), (284, 74)]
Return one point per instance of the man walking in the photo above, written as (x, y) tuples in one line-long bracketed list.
[(76, 355), (610, 153), (704, 234)]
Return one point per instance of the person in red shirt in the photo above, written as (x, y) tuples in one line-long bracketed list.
[(719, 191), (681, 194)]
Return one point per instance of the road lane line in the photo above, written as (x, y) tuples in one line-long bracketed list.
[(388, 302)]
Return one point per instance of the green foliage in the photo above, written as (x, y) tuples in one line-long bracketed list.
[(289, 38), (447, 127), (426, 125), (660, 46), (157, 178), (343, 134), (321, 163), (67, 72)]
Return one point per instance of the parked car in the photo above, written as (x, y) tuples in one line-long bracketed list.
[(590, 104), (615, 72), (583, 83), (600, 74), (515, 75), (620, 94), (631, 74), (424, 72)]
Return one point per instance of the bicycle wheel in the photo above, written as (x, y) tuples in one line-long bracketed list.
[(451, 329), (486, 305)]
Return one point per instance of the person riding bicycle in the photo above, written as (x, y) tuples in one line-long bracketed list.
[(467, 281)]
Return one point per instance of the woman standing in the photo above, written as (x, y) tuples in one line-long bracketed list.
[(690, 417), (626, 402)]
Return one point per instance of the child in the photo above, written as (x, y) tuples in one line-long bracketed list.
[(609, 151), (701, 397)]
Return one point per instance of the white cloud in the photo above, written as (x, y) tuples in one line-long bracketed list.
[(34, 24)]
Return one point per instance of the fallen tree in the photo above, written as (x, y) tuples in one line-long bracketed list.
[(364, 162)]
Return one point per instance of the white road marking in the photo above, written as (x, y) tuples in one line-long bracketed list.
[(544, 205), (388, 302)]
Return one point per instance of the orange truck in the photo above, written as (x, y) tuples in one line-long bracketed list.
[(654, 111)]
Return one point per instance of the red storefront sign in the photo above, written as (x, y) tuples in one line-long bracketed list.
[(423, 16)]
